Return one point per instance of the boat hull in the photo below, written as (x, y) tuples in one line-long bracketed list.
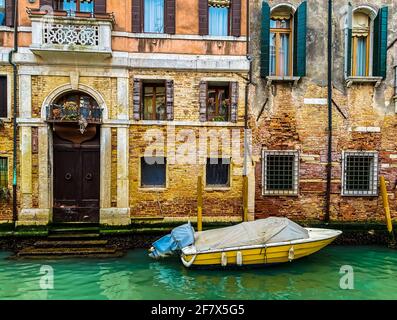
[(264, 255)]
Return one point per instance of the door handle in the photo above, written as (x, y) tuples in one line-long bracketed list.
[(68, 176), (88, 177)]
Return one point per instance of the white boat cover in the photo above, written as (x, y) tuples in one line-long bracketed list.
[(270, 230)]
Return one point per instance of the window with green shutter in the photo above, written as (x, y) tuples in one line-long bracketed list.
[(283, 40)]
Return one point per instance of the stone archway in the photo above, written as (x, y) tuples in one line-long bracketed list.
[(104, 147)]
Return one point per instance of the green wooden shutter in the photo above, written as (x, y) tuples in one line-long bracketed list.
[(300, 31), (265, 39), (348, 42), (380, 43)]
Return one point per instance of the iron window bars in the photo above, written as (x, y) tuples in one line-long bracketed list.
[(217, 172), (360, 173), (280, 172)]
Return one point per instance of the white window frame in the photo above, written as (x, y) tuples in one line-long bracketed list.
[(375, 179), (296, 173), (8, 118)]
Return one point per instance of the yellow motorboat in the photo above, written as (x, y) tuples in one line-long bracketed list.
[(271, 253), (261, 242)]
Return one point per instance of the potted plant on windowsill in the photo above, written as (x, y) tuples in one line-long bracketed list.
[(5, 194)]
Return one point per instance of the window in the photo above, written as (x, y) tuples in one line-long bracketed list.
[(360, 174), (3, 172), (154, 16), (218, 172), (218, 17), (2, 12), (76, 5), (154, 101), (280, 172), (360, 44), (153, 172), (3, 97), (218, 105), (280, 44)]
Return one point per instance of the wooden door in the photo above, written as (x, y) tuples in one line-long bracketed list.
[(76, 178)]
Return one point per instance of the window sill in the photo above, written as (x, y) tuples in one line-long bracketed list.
[(152, 189), (279, 194), (293, 79), (352, 80), (7, 29), (360, 195), (215, 188), (5, 120)]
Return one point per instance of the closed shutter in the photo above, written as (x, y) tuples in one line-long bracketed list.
[(203, 17), (203, 100), (265, 39), (169, 88), (236, 18), (169, 16), (137, 91), (100, 6), (9, 13), (300, 28), (46, 3), (348, 41), (380, 43), (3, 97), (233, 101), (137, 21)]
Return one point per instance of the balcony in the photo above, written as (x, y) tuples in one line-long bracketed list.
[(63, 35)]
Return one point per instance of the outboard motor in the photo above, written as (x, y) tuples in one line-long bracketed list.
[(179, 238)]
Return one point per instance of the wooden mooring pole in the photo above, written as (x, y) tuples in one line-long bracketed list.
[(245, 198), (200, 203), (385, 199)]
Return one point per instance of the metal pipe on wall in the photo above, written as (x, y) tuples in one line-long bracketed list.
[(329, 150), (15, 108)]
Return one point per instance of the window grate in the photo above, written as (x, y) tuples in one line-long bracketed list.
[(3, 172), (360, 174), (280, 172)]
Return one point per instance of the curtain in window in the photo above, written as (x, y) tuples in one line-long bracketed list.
[(87, 6), (218, 21), (2, 12), (284, 55), (361, 60), (154, 16), (69, 5), (272, 54)]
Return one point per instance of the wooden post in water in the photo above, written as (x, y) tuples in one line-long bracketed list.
[(245, 198), (200, 203), (385, 199)]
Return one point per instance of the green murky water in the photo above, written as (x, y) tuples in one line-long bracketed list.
[(138, 277)]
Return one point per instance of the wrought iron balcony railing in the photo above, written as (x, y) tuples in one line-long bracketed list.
[(74, 113)]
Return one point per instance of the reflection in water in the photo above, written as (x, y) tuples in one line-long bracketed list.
[(138, 277)]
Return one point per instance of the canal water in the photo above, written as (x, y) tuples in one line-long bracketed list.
[(138, 277)]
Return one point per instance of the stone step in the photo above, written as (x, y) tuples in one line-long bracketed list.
[(70, 243), (74, 230), (75, 236), (33, 252)]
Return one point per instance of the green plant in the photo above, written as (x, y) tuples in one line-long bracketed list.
[(5, 194)]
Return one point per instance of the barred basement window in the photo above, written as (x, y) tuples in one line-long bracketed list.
[(3, 172), (153, 172), (218, 172), (360, 174), (280, 172)]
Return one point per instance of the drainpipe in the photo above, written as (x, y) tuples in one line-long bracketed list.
[(15, 100), (247, 86), (329, 164)]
